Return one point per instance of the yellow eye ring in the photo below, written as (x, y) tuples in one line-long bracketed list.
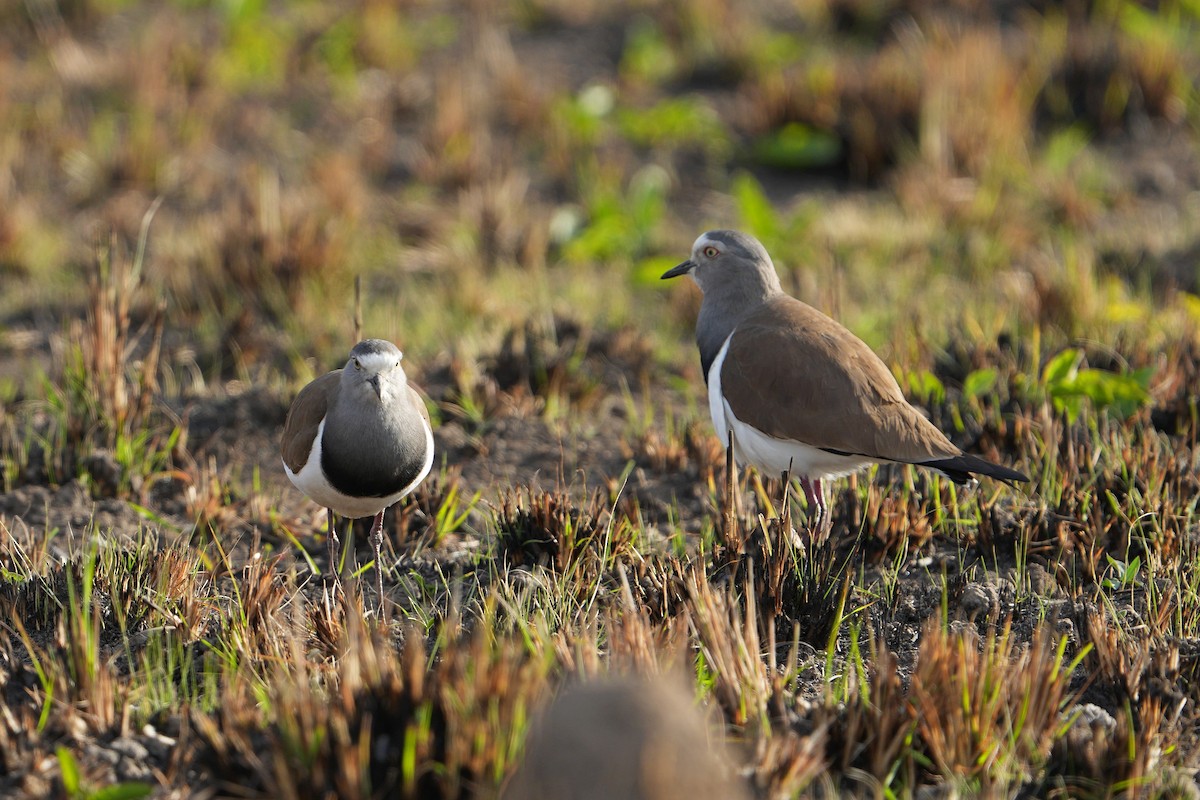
[(711, 252), (357, 365)]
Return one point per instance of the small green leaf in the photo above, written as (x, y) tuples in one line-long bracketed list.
[(1131, 570), (980, 382), (1063, 148), (796, 146), (1069, 386), (131, 790), (648, 271), (336, 48), (1071, 406), (1142, 377), (648, 55), (70, 771), (1061, 366), (675, 123), (926, 387)]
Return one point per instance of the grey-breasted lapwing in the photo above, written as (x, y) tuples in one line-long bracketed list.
[(358, 439), (798, 392)]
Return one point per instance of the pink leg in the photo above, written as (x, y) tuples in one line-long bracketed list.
[(377, 543), (814, 491), (331, 540)]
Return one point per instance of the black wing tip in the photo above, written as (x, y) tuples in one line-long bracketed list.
[(963, 468)]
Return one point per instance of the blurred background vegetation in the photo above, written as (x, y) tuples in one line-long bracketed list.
[(955, 170)]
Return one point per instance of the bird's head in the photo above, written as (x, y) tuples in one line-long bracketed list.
[(373, 370), (729, 261)]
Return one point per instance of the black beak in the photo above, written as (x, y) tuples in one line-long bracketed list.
[(374, 381), (682, 269)]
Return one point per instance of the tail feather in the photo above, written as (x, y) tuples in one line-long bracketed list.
[(960, 468)]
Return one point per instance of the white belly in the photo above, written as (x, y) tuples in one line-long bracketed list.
[(771, 456)]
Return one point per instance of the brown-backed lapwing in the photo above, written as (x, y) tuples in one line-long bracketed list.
[(798, 392), (358, 439)]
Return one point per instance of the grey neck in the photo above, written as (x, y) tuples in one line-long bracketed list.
[(722, 311)]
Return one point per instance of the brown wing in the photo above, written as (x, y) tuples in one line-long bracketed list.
[(794, 373), (304, 417), (418, 399)]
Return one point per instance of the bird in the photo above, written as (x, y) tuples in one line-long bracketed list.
[(796, 393), (358, 439), (625, 737)]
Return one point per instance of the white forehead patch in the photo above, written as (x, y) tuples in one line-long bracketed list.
[(701, 241), (377, 362)]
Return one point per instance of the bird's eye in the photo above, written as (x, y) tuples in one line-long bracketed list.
[(357, 364), (711, 252), (397, 363)]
